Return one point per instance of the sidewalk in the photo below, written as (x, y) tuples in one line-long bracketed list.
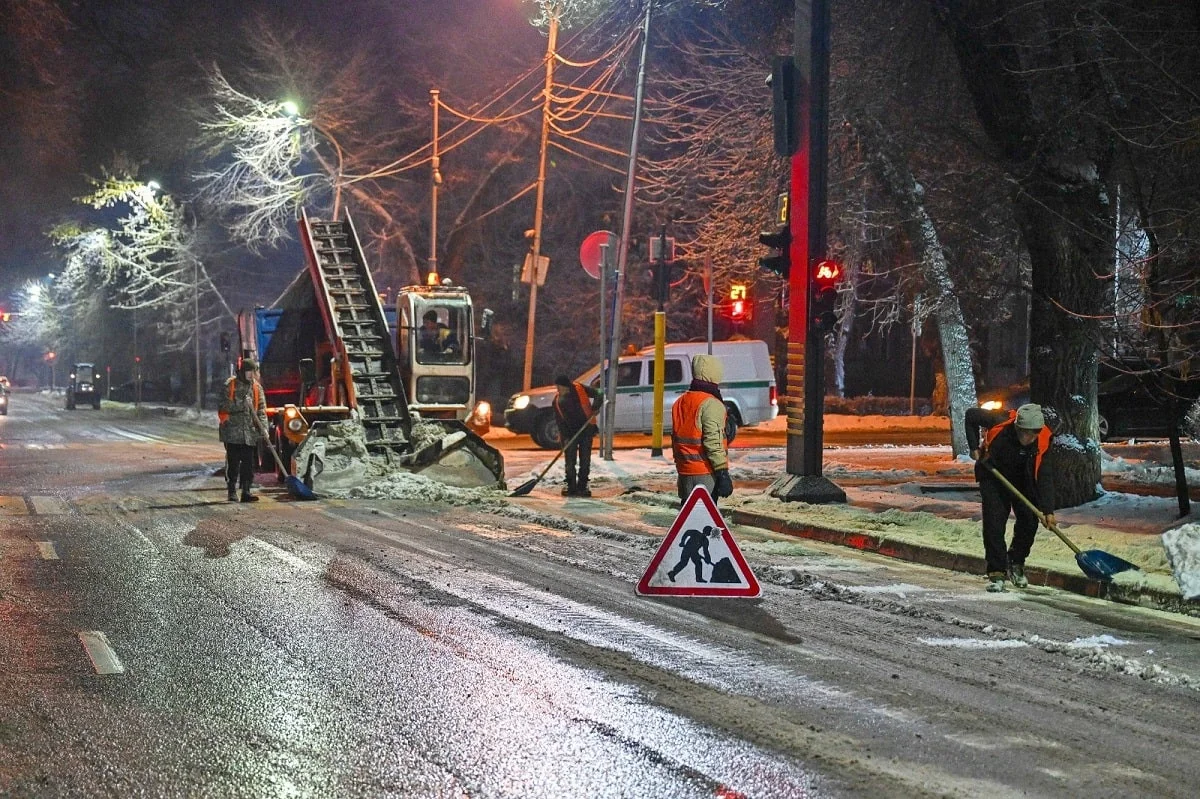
[(920, 504)]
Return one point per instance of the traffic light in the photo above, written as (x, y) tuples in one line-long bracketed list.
[(781, 241), (825, 278), (739, 304)]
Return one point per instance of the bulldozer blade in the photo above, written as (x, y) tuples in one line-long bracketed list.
[(460, 458)]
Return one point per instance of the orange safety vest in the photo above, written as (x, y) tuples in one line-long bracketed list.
[(223, 416), (1043, 440), (585, 402), (687, 439)]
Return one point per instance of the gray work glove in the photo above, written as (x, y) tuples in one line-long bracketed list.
[(724, 485)]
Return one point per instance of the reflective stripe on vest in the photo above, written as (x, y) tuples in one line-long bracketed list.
[(687, 439), (1043, 440), (585, 403), (223, 416)]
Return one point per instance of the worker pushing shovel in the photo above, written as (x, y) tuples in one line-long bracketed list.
[(1014, 476)]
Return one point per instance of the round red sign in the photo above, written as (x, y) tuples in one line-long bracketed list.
[(589, 251)]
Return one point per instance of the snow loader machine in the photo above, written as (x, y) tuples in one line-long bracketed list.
[(336, 403)]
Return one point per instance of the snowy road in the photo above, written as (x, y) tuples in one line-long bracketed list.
[(157, 637)]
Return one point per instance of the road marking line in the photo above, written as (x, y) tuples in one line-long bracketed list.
[(49, 506), (104, 659), (13, 506), (46, 548), (130, 434), (283, 554)]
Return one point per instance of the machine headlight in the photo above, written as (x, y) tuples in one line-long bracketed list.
[(295, 425), (521, 402), (991, 405), (483, 411)]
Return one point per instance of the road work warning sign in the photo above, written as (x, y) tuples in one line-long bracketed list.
[(698, 557)]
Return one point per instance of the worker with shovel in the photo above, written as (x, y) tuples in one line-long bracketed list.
[(575, 408), (1015, 446), (242, 414)]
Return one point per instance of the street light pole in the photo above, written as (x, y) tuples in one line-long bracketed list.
[(610, 387), (434, 181), (527, 378)]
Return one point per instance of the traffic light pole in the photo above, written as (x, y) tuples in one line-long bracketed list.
[(804, 481)]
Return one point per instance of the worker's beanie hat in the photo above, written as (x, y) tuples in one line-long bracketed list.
[(249, 365), (562, 380), (708, 368), (430, 316), (1030, 417)]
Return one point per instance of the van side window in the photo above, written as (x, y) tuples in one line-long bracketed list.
[(672, 371), (629, 373)]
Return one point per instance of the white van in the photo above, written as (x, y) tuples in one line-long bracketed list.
[(748, 390)]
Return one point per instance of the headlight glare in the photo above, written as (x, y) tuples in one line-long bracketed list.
[(521, 402)]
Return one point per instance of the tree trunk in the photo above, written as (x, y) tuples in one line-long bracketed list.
[(1068, 234), (935, 271)]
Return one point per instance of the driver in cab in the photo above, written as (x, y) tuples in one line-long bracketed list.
[(436, 340)]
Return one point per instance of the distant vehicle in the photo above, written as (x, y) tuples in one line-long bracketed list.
[(4, 394), (748, 390), (1129, 400), (151, 392), (83, 386)]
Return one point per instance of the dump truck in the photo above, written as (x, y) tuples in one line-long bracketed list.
[(336, 400)]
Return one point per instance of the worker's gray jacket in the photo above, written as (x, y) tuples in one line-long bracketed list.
[(237, 423)]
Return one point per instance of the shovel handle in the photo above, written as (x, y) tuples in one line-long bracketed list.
[(1041, 517)]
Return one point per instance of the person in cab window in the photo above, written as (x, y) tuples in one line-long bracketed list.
[(435, 339)]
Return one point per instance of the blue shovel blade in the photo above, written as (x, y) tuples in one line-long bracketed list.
[(1100, 565)]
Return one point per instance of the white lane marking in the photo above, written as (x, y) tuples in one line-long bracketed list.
[(130, 434), (47, 550), (49, 506), (975, 643), (104, 659), (278, 552)]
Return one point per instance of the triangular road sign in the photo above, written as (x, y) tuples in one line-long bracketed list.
[(699, 557)]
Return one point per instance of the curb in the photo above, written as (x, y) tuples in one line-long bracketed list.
[(867, 542)]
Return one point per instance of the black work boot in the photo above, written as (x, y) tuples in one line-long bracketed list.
[(247, 496), (231, 491)]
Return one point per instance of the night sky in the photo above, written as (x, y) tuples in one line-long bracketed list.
[(83, 81)]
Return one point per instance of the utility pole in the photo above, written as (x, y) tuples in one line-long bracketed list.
[(535, 255), (435, 180), (610, 387)]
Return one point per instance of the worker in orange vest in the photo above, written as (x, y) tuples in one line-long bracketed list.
[(241, 402), (1015, 444), (575, 408), (698, 432)]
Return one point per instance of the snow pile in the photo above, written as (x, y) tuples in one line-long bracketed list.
[(1183, 551)]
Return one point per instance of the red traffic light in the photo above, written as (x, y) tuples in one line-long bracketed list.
[(737, 309), (827, 272)]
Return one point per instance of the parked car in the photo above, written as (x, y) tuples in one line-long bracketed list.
[(151, 392), (748, 390), (83, 386)]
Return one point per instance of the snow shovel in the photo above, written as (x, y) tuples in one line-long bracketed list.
[(295, 486), (1095, 563), (527, 486)]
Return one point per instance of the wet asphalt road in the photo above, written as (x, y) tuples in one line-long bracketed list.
[(158, 641)]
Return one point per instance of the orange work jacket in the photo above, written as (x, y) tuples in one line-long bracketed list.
[(1043, 440), (687, 439), (223, 416)]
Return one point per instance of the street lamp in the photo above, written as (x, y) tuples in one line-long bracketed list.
[(291, 110)]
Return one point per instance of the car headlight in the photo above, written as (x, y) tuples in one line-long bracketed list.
[(992, 405), (521, 402)]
